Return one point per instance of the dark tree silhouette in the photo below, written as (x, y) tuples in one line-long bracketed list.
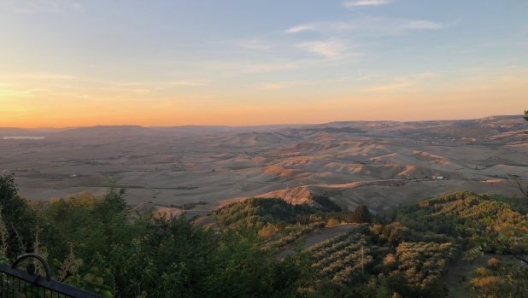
[(361, 214)]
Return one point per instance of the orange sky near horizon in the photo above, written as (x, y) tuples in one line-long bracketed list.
[(74, 63), (404, 110), (31, 107)]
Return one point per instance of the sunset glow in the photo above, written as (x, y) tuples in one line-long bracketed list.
[(79, 63)]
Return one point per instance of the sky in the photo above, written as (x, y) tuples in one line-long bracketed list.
[(70, 63)]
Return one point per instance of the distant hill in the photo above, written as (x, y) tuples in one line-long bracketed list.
[(101, 131), (473, 130), (483, 126), (326, 129), (15, 132)]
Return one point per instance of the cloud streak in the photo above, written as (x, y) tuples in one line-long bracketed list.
[(388, 87), (408, 82), (422, 25), (36, 76), (256, 45), (328, 48), (301, 28), (189, 83), (352, 4), (369, 25), (44, 6), (278, 85), (250, 67)]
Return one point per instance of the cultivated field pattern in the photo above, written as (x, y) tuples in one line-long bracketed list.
[(380, 164)]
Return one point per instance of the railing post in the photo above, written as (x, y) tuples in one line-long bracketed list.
[(31, 270), (21, 282)]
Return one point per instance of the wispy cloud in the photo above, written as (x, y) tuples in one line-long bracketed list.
[(303, 27), (11, 93), (357, 78), (19, 85), (268, 67), (144, 87), (350, 4), (278, 85), (249, 67), (425, 75), (189, 83), (408, 82), (422, 25), (370, 25), (328, 48), (36, 76), (388, 87), (255, 44), (44, 6)]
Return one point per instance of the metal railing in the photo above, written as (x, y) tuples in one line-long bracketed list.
[(16, 283)]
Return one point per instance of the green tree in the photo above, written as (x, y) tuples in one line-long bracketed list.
[(100, 245), (361, 214), (516, 179), (18, 216), (242, 268)]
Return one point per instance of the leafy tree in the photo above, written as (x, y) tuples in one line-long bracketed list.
[(516, 180), (326, 203), (18, 217), (243, 269), (361, 214), (100, 245)]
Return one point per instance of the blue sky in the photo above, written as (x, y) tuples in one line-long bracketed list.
[(259, 62)]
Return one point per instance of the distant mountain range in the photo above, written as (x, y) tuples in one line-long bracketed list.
[(483, 125)]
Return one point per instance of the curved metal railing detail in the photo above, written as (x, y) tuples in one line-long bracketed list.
[(26, 283)]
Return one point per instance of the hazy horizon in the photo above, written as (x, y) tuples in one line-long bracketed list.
[(75, 63), (242, 126)]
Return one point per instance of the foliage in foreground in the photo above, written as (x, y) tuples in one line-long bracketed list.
[(105, 246), (102, 245)]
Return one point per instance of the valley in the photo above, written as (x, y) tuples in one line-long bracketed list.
[(379, 164)]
